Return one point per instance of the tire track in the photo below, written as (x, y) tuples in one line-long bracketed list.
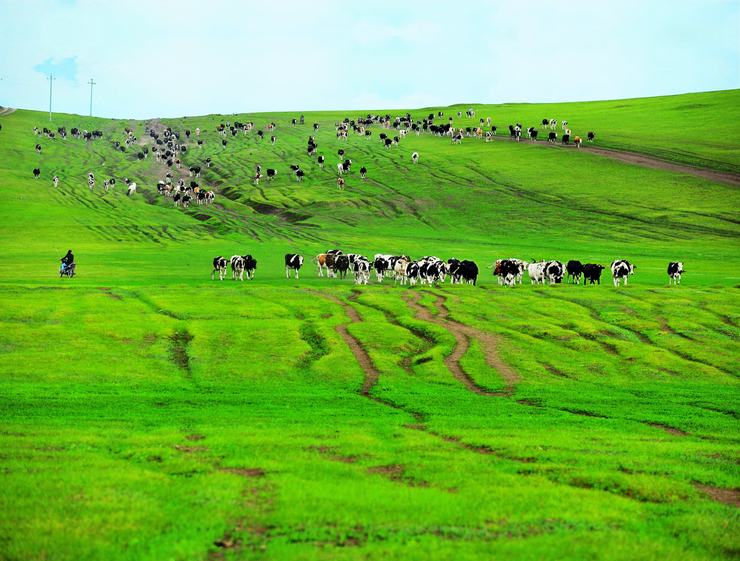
[(463, 335), (371, 378)]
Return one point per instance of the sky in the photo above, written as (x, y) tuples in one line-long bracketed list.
[(162, 58)]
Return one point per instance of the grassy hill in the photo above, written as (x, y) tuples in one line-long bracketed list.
[(151, 413)]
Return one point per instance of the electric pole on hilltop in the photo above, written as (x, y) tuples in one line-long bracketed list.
[(51, 79), (92, 83)]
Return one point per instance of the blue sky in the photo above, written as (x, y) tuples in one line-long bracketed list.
[(188, 57)]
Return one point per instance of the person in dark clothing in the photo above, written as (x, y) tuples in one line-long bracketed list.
[(67, 260)]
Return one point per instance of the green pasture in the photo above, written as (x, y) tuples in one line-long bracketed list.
[(148, 412)]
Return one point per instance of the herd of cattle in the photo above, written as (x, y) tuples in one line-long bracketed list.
[(168, 145), (431, 270)]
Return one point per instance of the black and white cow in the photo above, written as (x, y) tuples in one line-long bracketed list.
[(552, 136), (508, 271), (361, 270), (237, 267), (415, 157), (621, 270), (321, 161), (38, 148), (675, 270), (294, 262), (271, 173), (363, 172), (575, 271), (219, 266), (36, 173), (381, 264), (536, 272), (554, 272), (592, 273), (590, 136)]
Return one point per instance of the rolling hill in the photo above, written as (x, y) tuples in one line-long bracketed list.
[(152, 413)]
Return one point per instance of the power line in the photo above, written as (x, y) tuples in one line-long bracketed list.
[(92, 83)]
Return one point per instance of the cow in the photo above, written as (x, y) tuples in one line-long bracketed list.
[(564, 125), (536, 272), (299, 175), (675, 270), (621, 270), (273, 138), (361, 269), (554, 271), (132, 189), (293, 262), (38, 148), (565, 139), (321, 161), (340, 183), (91, 180), (468, 271), (415, 157), (327, 261), (552, 136), (399, 269), (577, 141), (575, 271), (341, 266), (381, 264), (508, 271), (55, 180), (592, 273), (363, 172), (250, 265), (271, 173), (219, 266), (590, 136), (237, 267), (545, 123)]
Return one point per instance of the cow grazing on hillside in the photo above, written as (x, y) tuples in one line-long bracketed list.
[(468, 272), (575, 271), (552, 136), (675, 270), (592, 273), (341, 266), (381, 264), (321, 161), (271, 173), (293, 262), (219, 266), (415, 157), (621, 270), (590, 136), (565, 139), (577, 141), (55, 180), (38, 148), (363, 172), (361, 270), (340, 182)]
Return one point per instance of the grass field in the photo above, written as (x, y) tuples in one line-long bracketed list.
[(148, 412)]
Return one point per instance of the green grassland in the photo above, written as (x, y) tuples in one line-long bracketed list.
[(147, 412)]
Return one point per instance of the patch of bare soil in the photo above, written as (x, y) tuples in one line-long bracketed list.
[(670, 430), (463, 334), (397, 473), (244, 472), (194, 437), (332, 454), (191, 449), (727, 496)]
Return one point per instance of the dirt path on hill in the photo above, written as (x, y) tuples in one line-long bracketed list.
[(361, 355), (640, 160), (463, 335), (5, 111)]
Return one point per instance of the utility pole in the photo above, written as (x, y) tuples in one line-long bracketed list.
[(51, 79), (92, 83)]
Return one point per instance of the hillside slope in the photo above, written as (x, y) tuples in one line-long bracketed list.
[(149, 412)]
